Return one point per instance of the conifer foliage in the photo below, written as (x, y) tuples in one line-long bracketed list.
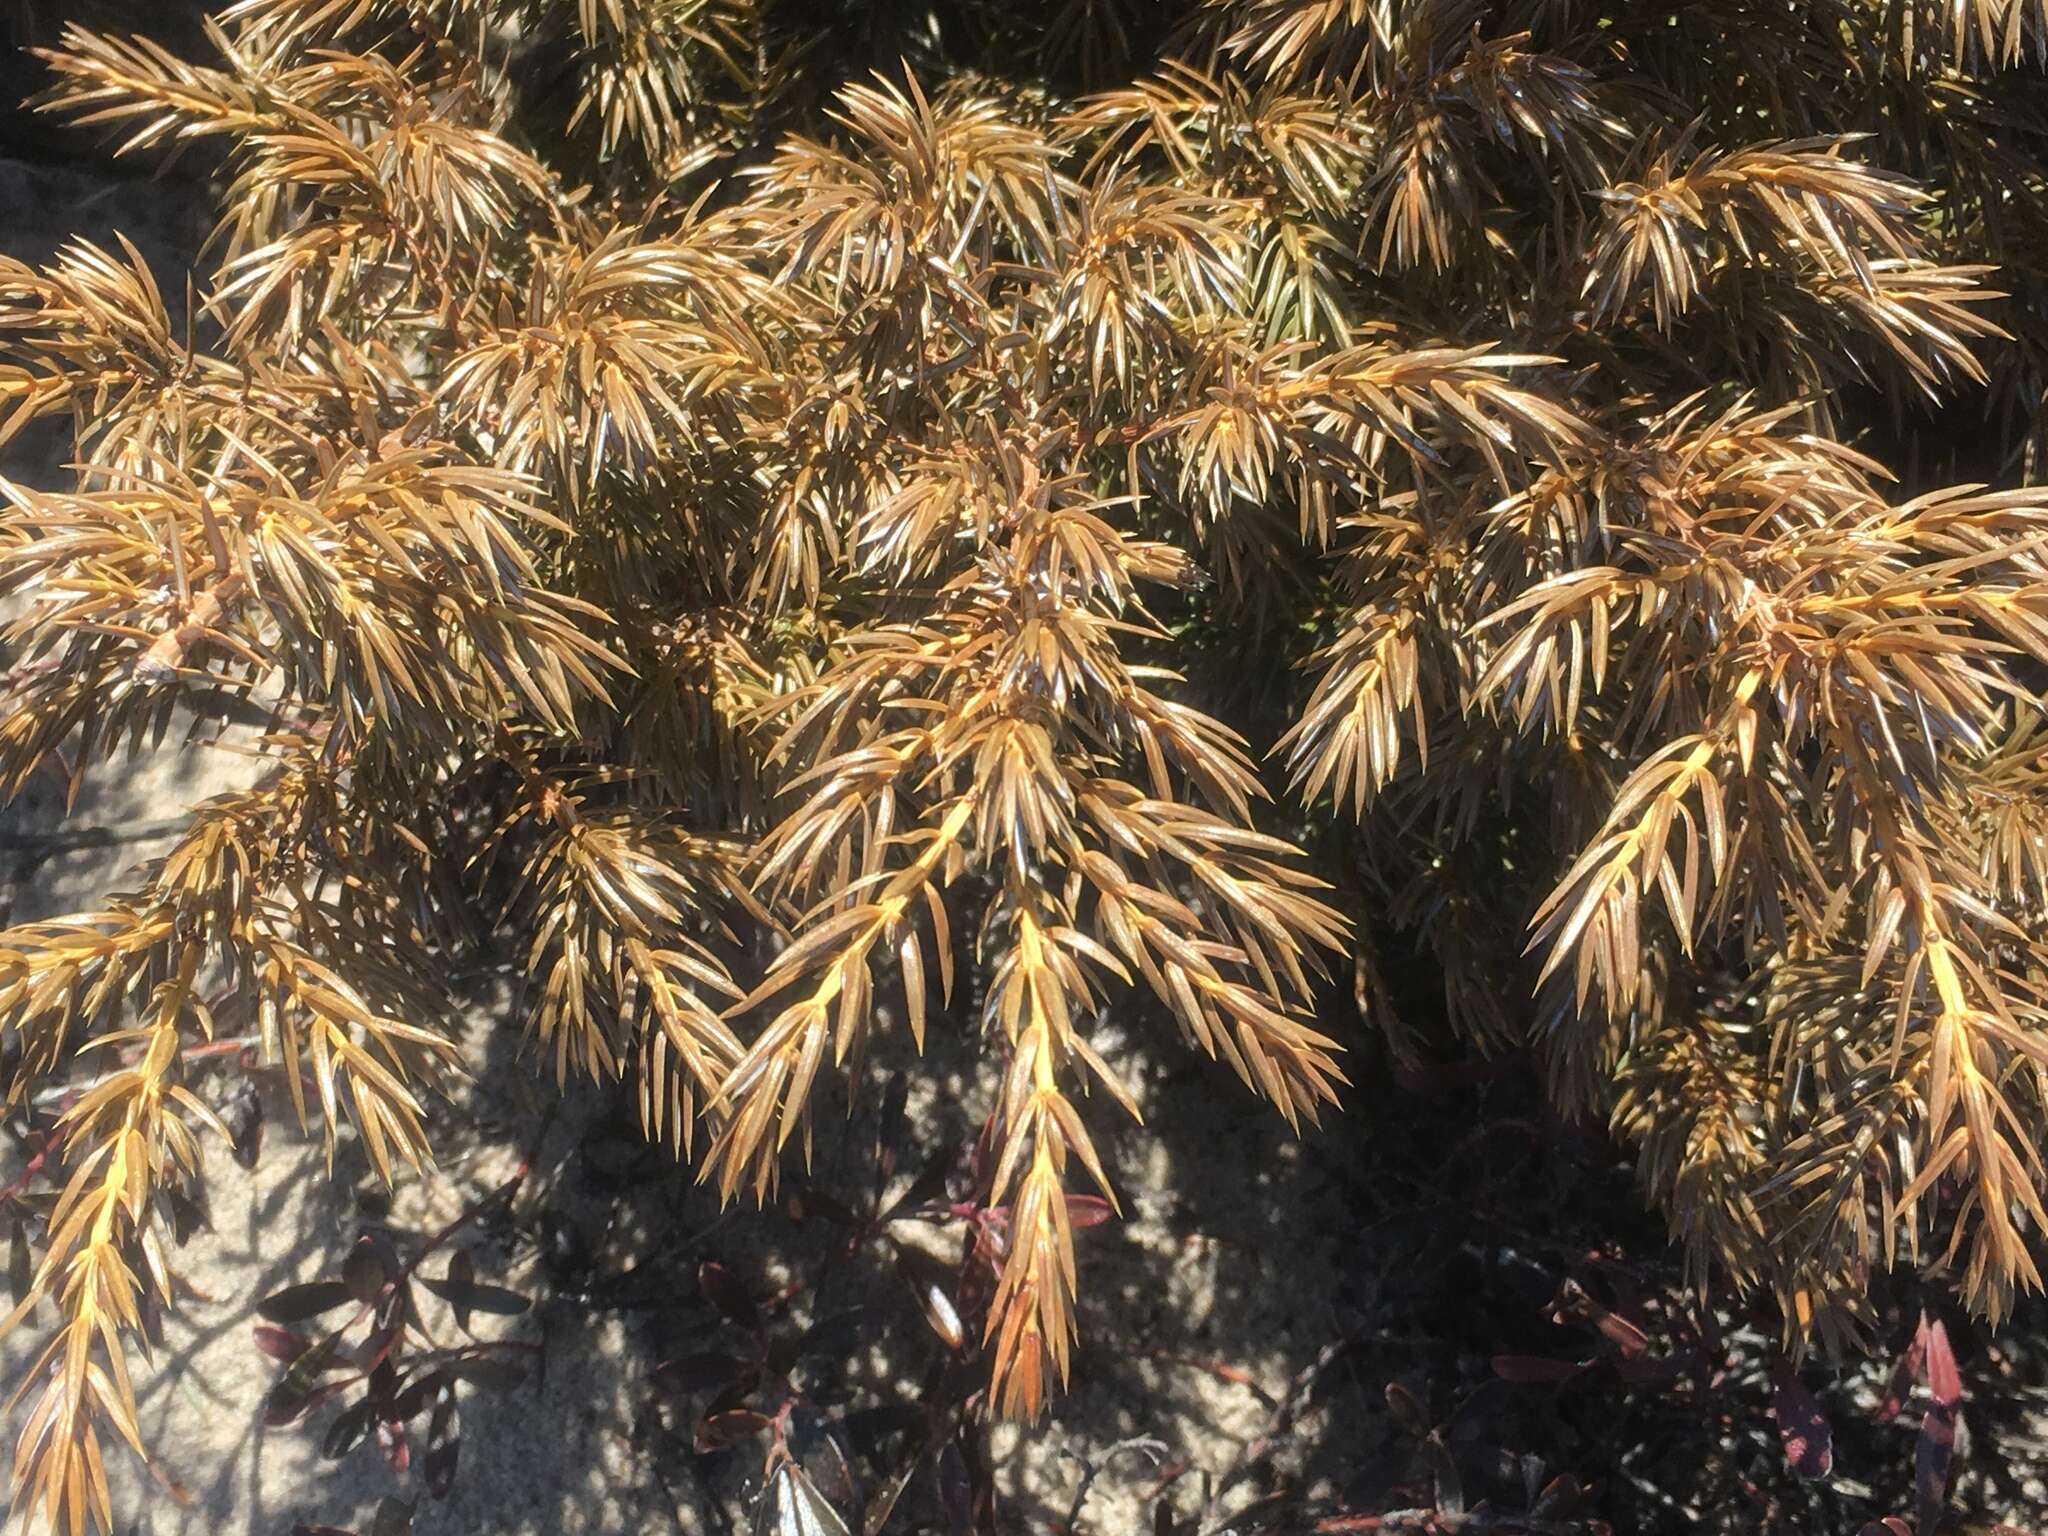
[(735, 501)]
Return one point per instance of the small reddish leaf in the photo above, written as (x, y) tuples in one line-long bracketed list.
[(350, 1428), (296, 1303), (20, 1268), (1084, 1211), (1407, 1410), (932, 1282), (243, 1116), (698, 1373), (1904, 1373), (726, 1293), (298, 1389), (395, 1444), (817, 1202), (1936, 1447), (1560, 1497), (729, 1428), (283, 1345), (1621, 1333), (930, 1182), (285, 1404), (1534, 1368), (890, 1123), (1803, 1430), (1944, 1380), (364, 1271), (375, 1350), (1931, 1457)]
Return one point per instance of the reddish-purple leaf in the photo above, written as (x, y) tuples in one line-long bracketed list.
[(283, 1345), (933, 1284), (889, 1125), (377, 1345), (1534, 1369), (1573, 1304), (412, 1400), (724, 1292), (698, 1373), (729, 1428), (1937, 1443), (829, 1207), (1620, 1332), (285, 1404), (1084, 1211), (364, 1271), (396, 1446), (350, 1428), (298, 1389), (1803, 1430), (1560, 1497), (1407, 1410), (791, 1505), (1904, 1373), (243, 1116), (296, 1303), (1931, 1458), (20, 1268), (930, 1182), (1944, 1380)]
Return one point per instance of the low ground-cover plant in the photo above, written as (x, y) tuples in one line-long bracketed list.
[(792, 519)]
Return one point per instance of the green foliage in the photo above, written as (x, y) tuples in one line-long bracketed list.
[(768, 465)]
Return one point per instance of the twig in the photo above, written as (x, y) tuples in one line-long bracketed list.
[(1277, 1422), (160, 663), (1440, 1522), (1090, 1470)]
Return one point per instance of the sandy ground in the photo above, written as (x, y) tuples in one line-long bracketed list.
[(1199, 1315)]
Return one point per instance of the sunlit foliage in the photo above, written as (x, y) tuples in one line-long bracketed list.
[(748, 502)]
